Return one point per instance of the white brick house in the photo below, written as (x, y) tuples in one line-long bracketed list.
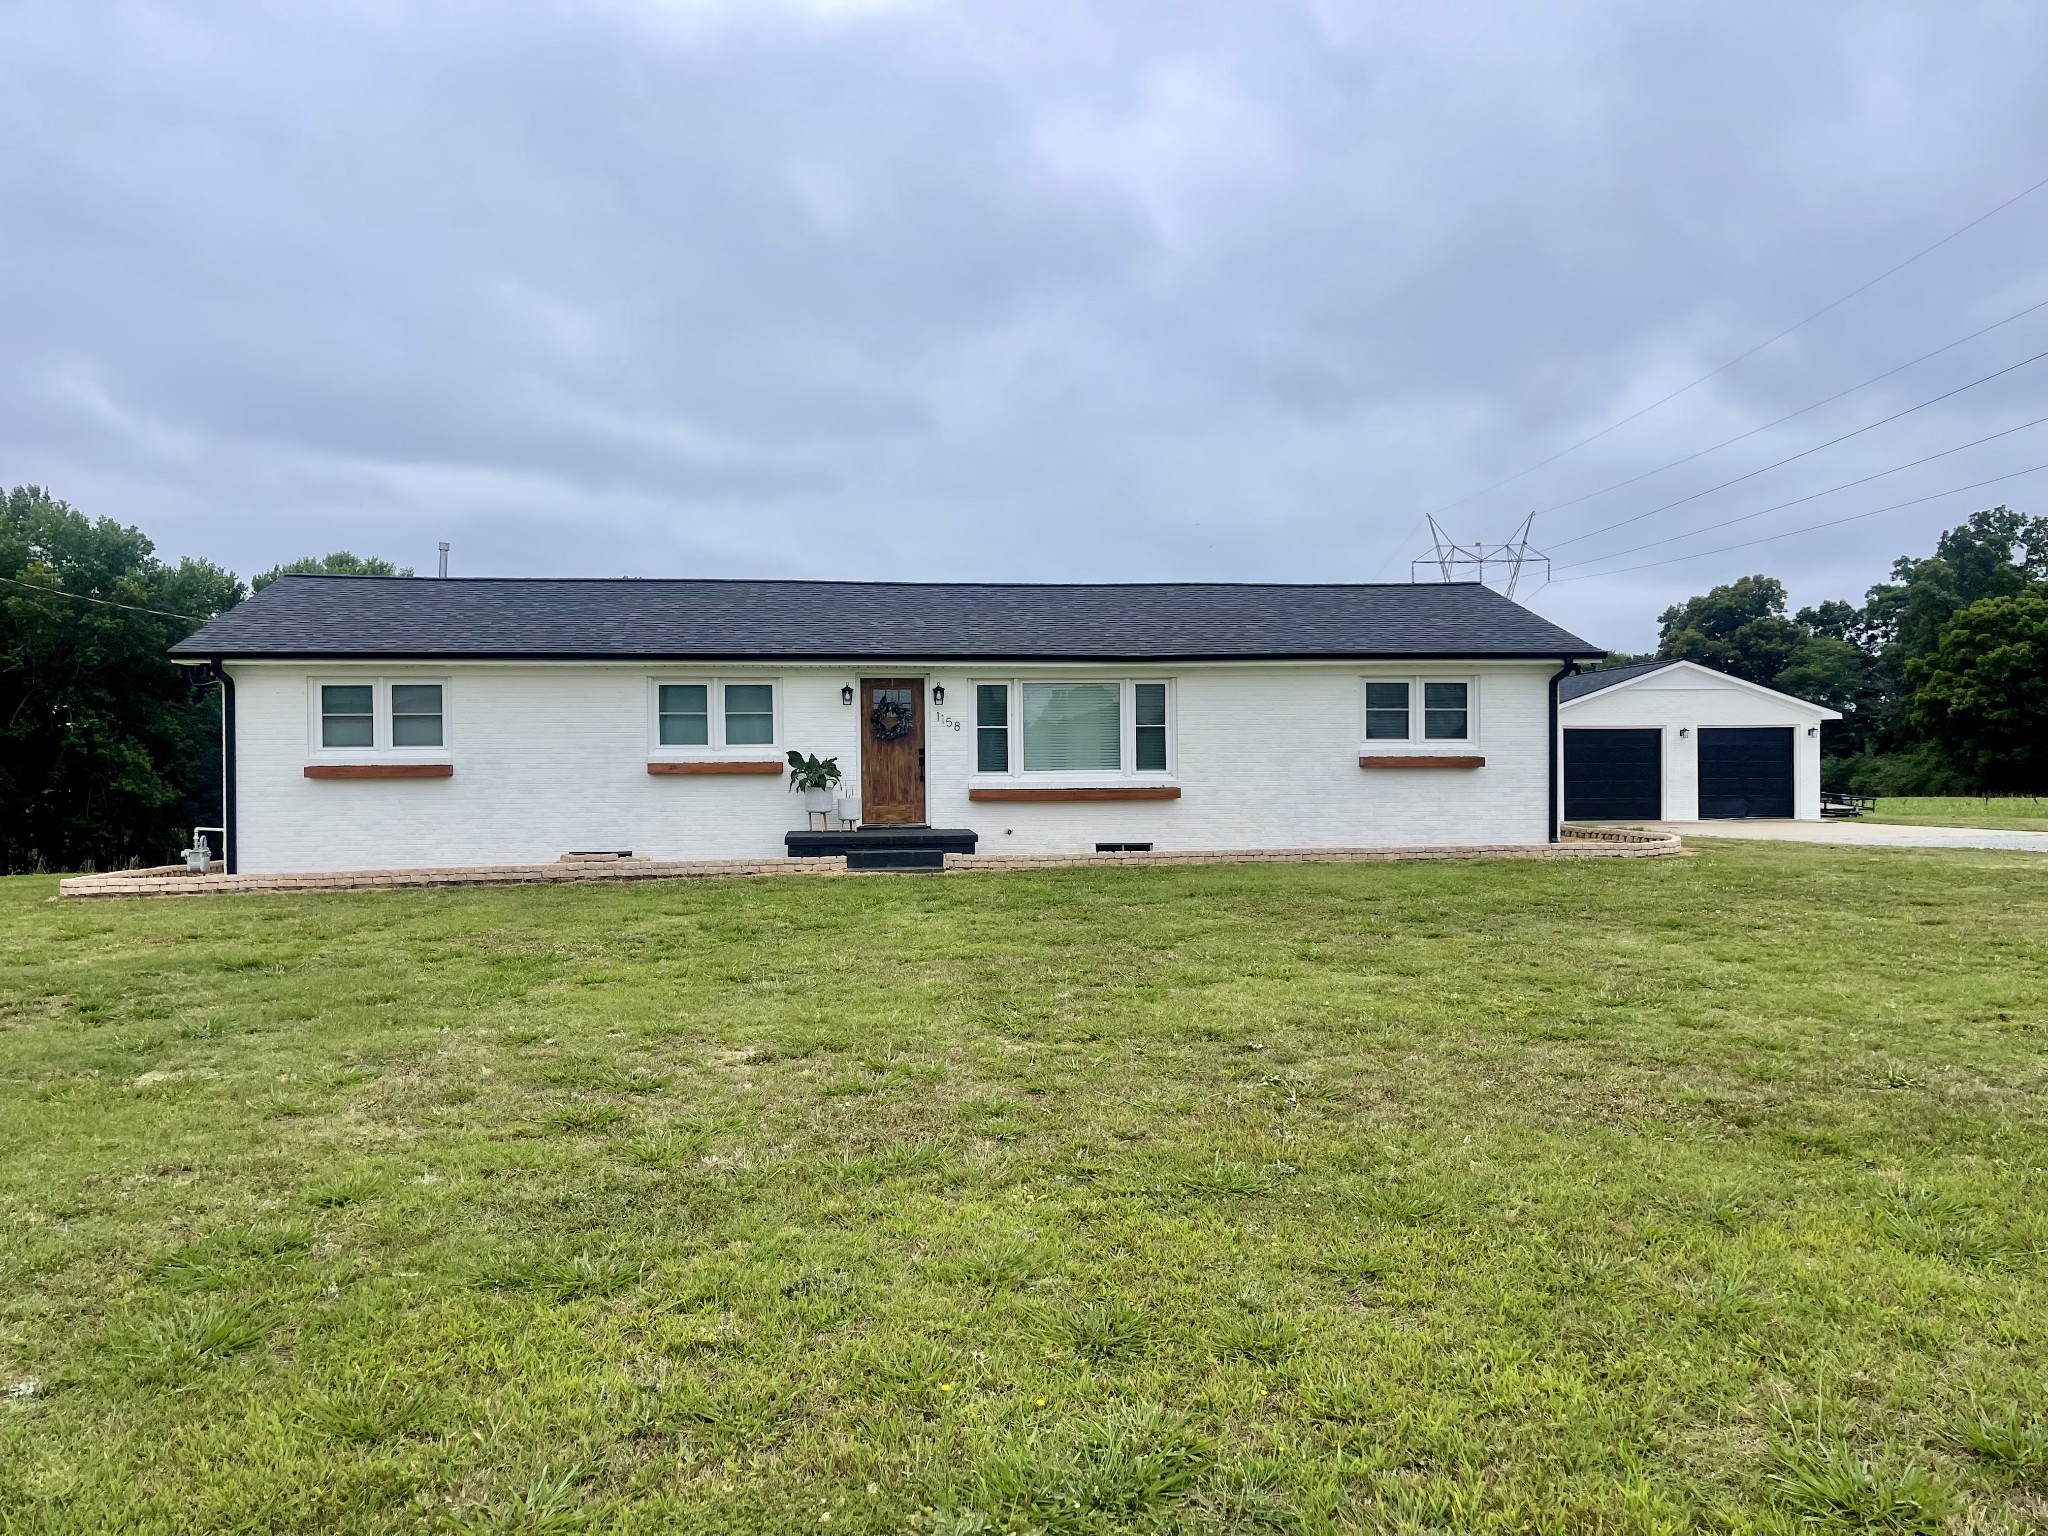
[(406, 723)]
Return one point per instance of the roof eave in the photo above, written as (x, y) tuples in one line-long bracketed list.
[(1554, 653)]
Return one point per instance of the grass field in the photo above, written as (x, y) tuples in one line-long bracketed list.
[(1612, 1196), (2029, 814)]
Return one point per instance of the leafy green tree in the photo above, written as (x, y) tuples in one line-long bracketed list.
[(1872, 661), (1839, 667), (1997, 553), (338, 563), (107, 752), (1617, 659), (1739, 628), (1982, 692)]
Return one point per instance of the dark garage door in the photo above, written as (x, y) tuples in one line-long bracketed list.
[(1613, 775), (1746, 773)]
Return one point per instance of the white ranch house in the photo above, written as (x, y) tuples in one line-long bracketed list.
[(388, 723)]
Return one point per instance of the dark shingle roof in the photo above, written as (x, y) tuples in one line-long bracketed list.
[(1605, 677), (372, 616)]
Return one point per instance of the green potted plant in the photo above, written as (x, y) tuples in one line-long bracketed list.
[(814, 777)]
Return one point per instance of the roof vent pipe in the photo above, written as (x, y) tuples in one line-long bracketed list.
[(444, 557)]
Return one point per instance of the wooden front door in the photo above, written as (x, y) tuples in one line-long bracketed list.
[(892, 751)]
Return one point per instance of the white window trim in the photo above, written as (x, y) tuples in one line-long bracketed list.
[(1415, 743), (714, 727), (381, 750), (1092, 778)]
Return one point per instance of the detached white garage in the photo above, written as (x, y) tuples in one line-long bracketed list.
[(1676, 741)]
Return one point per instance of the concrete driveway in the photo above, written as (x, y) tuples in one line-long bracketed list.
[(1850, 834)]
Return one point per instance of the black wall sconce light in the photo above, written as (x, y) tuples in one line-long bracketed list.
[(938, 693), (1813, 730), (846, 695), (1685, 730)]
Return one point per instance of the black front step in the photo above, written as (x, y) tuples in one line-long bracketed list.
[(863, 841), (896, 858)]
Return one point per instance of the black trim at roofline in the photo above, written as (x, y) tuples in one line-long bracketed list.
[(879, 658)]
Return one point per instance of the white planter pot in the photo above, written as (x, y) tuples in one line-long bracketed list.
[(847, 810), (817, 801)]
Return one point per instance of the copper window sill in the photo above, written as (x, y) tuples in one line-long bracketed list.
[(692, 769), (1417, 761), (380, 770)]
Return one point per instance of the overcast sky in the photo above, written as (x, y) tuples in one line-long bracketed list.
[(1041, 290)]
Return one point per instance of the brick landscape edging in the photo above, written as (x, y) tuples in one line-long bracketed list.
[(172, 880), (175, 880), (1594, 845)]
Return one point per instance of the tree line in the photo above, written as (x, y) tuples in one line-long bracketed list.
[(1941, 673), (109, 753)]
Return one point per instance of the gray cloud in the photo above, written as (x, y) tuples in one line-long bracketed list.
[(1006, 290)]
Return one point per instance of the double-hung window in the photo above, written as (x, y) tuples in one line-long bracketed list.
[(1419, 709), (1386, 711), (416, 714), (685, 714), (992, 728), (348, 715), (1149, 701), (379, 714), (1446, 711), (749, 714), (1085, 727), (714, 713)]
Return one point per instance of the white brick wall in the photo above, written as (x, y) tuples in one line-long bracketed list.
[(548, 759)]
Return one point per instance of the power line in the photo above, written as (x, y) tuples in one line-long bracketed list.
[(1772, 538), (1715, 372), (1831, 399), (104, 602), (1798, 500), (1803, 453)]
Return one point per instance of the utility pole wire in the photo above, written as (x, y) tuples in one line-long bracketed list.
[(104, 602), (1803, 453), (1717, 372), (1559, 506), (1694, 533), (1794, 533)]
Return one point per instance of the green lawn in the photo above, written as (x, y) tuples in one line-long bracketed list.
[(1614, 1196), (2007, 815)]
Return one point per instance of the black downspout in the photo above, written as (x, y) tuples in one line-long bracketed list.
[(230, 850), (1556, 809)]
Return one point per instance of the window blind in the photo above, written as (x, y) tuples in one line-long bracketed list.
[(1071, 728)]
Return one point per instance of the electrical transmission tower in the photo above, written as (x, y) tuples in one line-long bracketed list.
[(1454, 561)]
